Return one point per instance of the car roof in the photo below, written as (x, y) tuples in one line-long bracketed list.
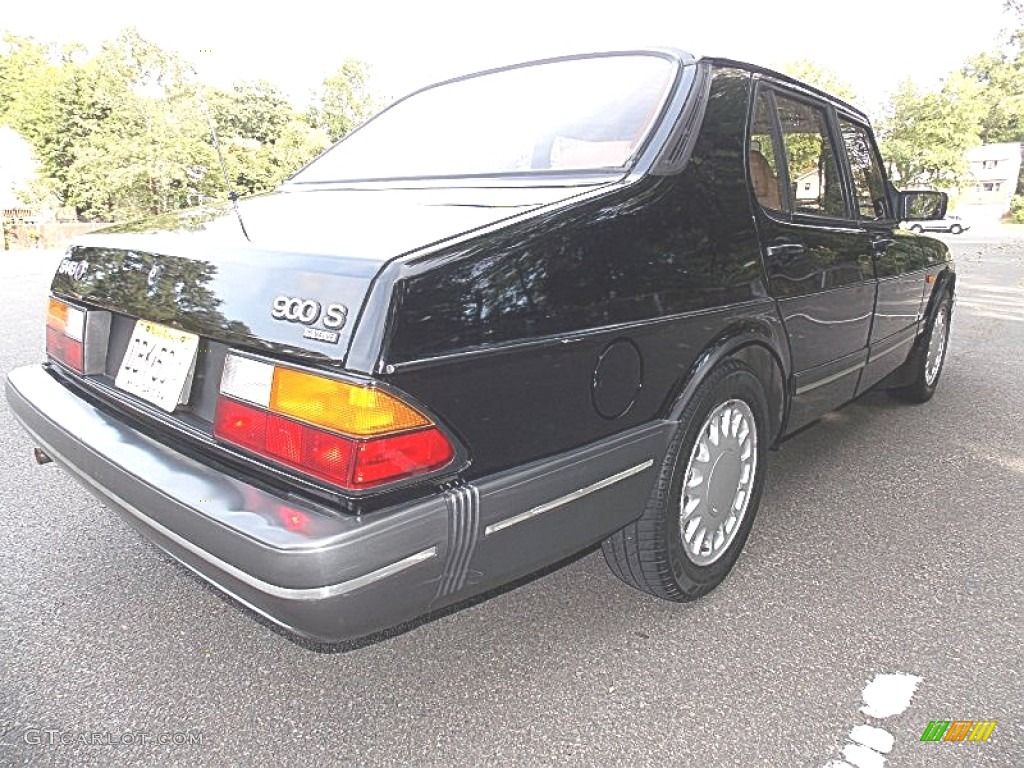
[(679, 55), (775, 75)]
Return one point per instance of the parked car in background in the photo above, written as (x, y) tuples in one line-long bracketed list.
[(952, 224), (516, 314)]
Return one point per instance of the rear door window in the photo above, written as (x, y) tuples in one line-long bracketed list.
[(815, 184)]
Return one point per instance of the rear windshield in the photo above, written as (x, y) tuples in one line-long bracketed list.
[(579, 114)]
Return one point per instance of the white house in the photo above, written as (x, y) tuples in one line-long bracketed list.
[(993, 181), (807, 186)]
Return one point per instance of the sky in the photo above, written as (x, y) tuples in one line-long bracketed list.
[(871, 44)]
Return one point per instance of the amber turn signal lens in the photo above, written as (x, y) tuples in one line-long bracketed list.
[(65, 332), (57, 315), (339, 406)]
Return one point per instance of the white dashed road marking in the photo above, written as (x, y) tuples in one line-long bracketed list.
[(885, 696), (863, 757), (888, 695), (878, 739)]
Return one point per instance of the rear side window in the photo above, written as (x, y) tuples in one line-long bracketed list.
[(764, 165), (814, 179), (868, 180)]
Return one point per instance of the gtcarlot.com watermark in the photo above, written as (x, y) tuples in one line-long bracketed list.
[(59, 737)]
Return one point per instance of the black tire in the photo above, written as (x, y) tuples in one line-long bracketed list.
[(649, 553), (956, 229), (924, 382), (916, 228)]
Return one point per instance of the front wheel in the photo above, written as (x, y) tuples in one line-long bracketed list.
[(917, 228), (707, 493), (956, 229), (929, 357)]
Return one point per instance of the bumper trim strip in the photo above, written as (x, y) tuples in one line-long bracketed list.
[(287, 593), (547, 506)]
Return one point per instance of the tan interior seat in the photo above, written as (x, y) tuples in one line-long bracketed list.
[(766, 185)]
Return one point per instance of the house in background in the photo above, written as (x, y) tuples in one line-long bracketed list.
[(807, 186), (994, 169)]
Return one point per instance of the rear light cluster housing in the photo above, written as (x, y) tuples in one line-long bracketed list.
[(65, 334), (77, 337), (354, 436)]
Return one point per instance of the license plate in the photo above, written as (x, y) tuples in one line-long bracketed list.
[(159, 364)]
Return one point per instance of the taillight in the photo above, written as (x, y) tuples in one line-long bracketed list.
[(65, 334), (352, 435)]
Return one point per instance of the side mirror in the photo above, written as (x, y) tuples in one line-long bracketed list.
[(923, 205)]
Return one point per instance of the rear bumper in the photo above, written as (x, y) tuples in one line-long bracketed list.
[(331, 576)]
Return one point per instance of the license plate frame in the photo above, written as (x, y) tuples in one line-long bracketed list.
[(159, 365)]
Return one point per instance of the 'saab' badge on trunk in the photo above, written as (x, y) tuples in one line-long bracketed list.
[(74, 269)]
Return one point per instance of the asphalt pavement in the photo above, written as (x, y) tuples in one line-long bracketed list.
[(889, 541)]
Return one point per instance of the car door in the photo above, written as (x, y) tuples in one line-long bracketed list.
[(818, 266), (898, 258)]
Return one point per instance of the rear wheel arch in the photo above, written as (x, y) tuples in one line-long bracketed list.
[(769, 370), (754, 347)]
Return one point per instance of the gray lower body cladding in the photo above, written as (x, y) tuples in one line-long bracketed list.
[(329, 576)]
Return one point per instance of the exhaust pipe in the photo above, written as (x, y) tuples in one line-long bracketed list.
[(40, 456)]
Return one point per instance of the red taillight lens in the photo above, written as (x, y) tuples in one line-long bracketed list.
[(299, 446), (284, 439), (241, 424), (354, 435), (351, 463), (65, 334), (330, 456), (389, 458)]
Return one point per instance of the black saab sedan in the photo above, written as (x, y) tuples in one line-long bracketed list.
[(513, 315)]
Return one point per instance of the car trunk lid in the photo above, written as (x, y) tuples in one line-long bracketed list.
[(291, 286)]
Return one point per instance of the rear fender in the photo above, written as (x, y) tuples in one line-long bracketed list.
[(757, 346)]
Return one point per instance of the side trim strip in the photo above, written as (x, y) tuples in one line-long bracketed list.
[(286, 593), (893, 348), (508, 522), (829, 379)]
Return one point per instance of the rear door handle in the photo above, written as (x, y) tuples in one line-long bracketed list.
[(785, 250)]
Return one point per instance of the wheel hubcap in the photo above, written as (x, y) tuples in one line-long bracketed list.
[(936, 348), (718, 482)]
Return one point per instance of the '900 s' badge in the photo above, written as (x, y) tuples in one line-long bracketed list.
[(307, 312)]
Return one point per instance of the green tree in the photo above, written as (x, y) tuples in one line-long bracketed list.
[(124, 133), (344, 100), (821, 77), (1000, 76), (924, 134), (263, 139), (130, 139), (251, 110), (30, 77)]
